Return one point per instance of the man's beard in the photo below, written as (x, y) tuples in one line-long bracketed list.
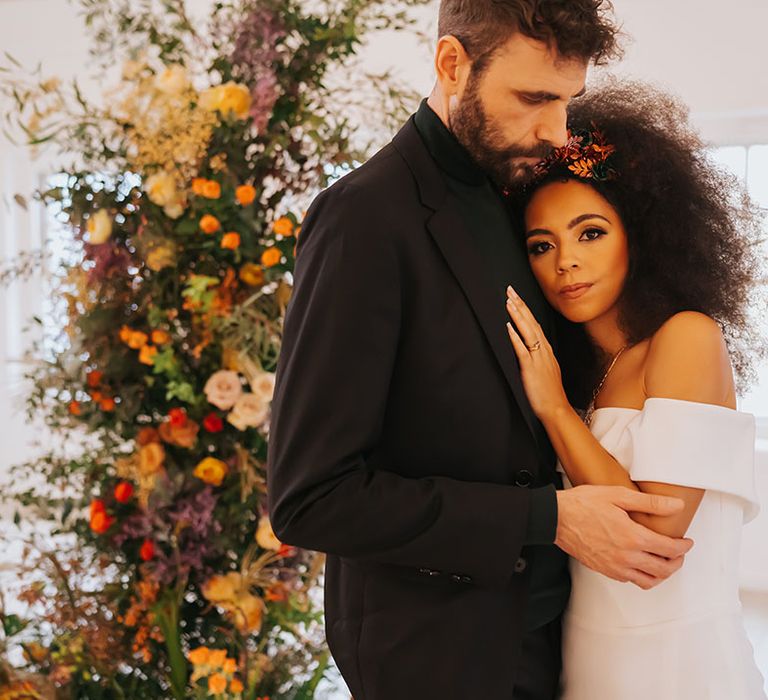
[(482, 139)]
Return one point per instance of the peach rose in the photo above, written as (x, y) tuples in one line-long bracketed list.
[(250, 411), (161, 189), (247, 613), (223, 389), (263, 385), (172, 81)]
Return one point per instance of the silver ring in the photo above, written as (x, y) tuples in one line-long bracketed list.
[(536, 346)]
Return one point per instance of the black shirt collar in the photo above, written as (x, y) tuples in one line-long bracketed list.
[(443, 146)]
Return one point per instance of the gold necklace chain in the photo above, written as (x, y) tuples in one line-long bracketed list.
[(591, 408)]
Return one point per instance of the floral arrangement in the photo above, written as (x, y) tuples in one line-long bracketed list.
[(183, 201), (586, 154)]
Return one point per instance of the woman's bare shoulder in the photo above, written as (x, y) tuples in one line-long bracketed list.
[(688, 359)]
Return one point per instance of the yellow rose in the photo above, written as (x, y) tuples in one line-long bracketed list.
[(211, 471), (160, 257), (172, 81), (151, 458), (230, 97), (99, 227), (265, 535), (161, 189)]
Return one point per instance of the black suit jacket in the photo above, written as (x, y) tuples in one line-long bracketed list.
[(400, 428)]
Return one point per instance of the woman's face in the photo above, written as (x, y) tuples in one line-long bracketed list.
[(577, 248)]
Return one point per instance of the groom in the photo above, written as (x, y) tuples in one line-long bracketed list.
[(402, 443)]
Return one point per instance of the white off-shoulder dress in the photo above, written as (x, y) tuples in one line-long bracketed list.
[(684, 639)]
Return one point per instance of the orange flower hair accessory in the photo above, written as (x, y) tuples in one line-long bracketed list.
[(586, 155)]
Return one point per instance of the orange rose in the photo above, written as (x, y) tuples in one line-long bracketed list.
[(151, 458), (107, 404), (180, 435), (94, 378), (199, 656), (230, 241), (211, 471), (125, 333), (235, 686), (217, 657), (217, 684), (147, 436), (252, 274), (147, 355), (245, 194), (160, 337), (137, 340), (270, 257), (198, 184), (283, 226), (74, 408), (209, 224), (211, 189), (229, 666)]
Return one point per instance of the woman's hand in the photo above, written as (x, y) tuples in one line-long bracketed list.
[(538, 367)]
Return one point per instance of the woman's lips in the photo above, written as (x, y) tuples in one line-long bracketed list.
[(574, 291)]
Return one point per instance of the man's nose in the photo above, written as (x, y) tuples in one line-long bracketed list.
[(553, 128)]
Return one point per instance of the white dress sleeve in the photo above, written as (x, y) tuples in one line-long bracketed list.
[(686, 443)]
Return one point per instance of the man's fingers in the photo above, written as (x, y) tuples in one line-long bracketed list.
[(663, 546), (651, 503), (656, 567), (643, 580)]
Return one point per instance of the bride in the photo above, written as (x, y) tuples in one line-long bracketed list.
[(647, 254)]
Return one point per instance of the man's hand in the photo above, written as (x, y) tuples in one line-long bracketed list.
[(593, 527)]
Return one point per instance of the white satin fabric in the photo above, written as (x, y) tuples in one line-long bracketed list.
[(684, 639)]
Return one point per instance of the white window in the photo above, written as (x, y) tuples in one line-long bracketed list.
[(750, 164)]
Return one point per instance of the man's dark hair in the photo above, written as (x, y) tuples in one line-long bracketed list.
[(575, 29)]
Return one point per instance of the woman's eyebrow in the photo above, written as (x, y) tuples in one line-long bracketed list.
[(578, 220), (584, 217)]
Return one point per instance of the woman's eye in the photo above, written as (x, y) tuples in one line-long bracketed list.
[(538, 248), (591, 234)]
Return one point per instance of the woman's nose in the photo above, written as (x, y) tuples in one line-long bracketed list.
[(566, 261)]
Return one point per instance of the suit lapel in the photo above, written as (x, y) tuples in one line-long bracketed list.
[(455, 243)]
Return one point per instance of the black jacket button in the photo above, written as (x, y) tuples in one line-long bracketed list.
[(523, 478), (520, 565)]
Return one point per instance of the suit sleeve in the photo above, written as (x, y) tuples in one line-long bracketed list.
[(338, 353)]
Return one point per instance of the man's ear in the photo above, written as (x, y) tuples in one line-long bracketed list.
[(452, 65)]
